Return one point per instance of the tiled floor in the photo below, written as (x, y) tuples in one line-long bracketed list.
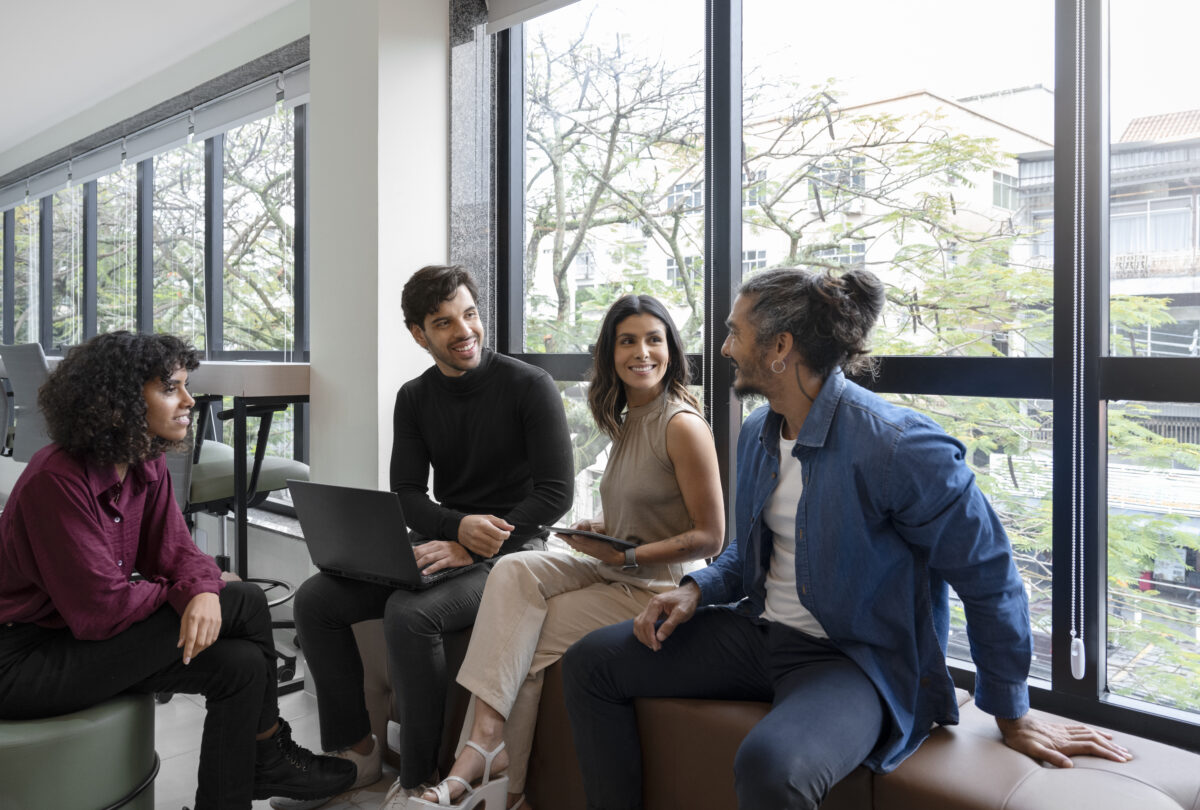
[(177, 727)]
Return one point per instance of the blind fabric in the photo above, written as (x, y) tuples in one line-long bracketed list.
[(247, 104), (504, 14)]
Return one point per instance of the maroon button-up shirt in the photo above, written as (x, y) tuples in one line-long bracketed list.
[(72, 534)]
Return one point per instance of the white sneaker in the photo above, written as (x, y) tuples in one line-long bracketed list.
[(397, 796), (370, 771)]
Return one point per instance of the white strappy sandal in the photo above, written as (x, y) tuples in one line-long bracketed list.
[(489, 793)]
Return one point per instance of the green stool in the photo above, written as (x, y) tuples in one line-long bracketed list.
[(95, 759)]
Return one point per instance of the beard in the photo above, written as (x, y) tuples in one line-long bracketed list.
[(745, 386)]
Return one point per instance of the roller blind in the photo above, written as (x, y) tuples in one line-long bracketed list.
[(507, 13), (233, 109)]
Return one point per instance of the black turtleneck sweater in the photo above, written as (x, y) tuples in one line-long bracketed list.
[(497, 440)]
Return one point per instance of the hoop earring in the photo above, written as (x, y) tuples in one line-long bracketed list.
[(782, 366)]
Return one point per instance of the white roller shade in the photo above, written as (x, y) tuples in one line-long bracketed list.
[(507, 13), (48, 181), (153, 140), (295, 86), (239, 107), (231, 111), (11, 196), (96, 163)]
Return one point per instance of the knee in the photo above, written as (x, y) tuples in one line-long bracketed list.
[(236, 665), (586, 664), (769, 775), (405, 618)]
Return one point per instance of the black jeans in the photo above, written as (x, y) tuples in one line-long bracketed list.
[(825, 715), (413, 625), (47, 672)]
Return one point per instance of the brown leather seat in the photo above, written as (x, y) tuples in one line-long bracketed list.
[(688, 749)]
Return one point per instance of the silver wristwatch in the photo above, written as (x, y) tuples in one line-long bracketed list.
[(630, 559)]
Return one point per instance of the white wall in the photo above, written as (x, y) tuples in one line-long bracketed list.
[(378, 185)]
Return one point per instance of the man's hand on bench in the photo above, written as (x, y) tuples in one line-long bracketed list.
[(1056, 743)]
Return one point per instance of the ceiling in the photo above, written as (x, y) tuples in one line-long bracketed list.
[(60, 57)]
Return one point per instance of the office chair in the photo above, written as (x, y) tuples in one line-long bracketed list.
[(26, 367)]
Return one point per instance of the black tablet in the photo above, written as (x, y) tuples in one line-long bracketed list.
[(615, 542)]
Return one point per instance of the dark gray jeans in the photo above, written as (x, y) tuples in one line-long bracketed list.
[(825, 716), (413, 624)]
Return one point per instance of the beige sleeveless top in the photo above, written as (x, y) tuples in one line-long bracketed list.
[(639, 494)]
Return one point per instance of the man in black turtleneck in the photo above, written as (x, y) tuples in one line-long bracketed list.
[(494, 431)]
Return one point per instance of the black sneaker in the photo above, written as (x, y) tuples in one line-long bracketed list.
[(283, 768)]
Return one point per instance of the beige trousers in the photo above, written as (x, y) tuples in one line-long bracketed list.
[(535, 605)]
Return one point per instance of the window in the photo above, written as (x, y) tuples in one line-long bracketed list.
[(853, 254), (585, 267), (1004, 190), (1147, 440), (26, 276), (67, 271), (259, 216), (753, 188), (116, 250), (692, 265), (634, 201), (753, 260), (949, 195), (179, 243), (137, 247), (1154, 226), (686, 197)]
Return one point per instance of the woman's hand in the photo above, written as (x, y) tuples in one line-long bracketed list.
[(590, 546), (601, 550), (200, 625)]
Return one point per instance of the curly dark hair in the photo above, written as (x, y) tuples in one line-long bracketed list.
[(93, 400), (606, 392), (829, 316), (424, 293)]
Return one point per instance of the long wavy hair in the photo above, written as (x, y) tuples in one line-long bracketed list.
[(606, 393), (93, 400)]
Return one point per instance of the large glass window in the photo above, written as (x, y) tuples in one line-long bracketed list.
[(67, 272), (863, 156), (179, 243), (935, 167), (1153, 645), (116, 250), (1152, 648), (259, 260), (614, 167)]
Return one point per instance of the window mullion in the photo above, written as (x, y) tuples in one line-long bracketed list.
[(214, 245), (145, 245), (723, 223), (46, 273)]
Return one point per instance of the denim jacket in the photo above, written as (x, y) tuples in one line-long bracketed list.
[(889, 515)]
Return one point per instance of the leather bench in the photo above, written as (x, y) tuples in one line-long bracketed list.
[(688, 748)]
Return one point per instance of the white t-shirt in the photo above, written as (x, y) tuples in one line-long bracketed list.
[(783, 602)]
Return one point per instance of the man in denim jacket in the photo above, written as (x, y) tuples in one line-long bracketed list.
[(853, 516)]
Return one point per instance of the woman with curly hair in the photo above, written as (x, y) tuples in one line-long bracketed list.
[(76, 628), (660, 491)]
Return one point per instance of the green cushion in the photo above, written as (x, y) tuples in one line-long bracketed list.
[(82, 761), (212, 478)]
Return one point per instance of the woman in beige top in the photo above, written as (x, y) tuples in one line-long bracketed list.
[(660, 490)]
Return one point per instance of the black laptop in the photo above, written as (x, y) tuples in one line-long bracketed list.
[(360, 534)]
